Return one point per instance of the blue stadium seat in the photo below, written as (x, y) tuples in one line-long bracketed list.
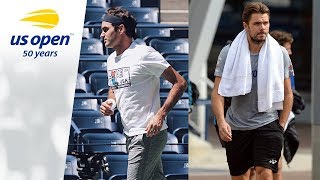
[(97, 4), (183, 72), (177, 121), (118, 121), (165, 85), (118, 165), (186, 76), (175, 166), (176, 56), (85, 104), (70, 171), (98, 82), (86, 34), (182, 104), (185, 140), (180, 45), (125, 3), (172, 146), (95, 62), (72, 141), (91, 47), (93, 121), (94, 14), (81, 85), (179, 65), (144, 32), (111, 143), (144, 15)]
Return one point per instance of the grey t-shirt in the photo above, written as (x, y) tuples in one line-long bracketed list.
[(243, 113)]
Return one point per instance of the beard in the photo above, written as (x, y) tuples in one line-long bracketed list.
[(256, 40)]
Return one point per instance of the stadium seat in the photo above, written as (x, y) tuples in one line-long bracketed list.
[(93, 121), (98, 82), (176, 56), (172, 146), (185, 140), (72, 141), (175, 166), (91, 47), (85, 104), (144, 15), (186, 76), (118, 165), (177, 121), (147, 39), (81, 86), (97, 4), (94, 14), (86, 34), (183, 72), (143, 32), (110, 143), (108, 51), (118, 121), (92, 62), (182, 104), (165, 85), (125, 3), (179, 65), (70, 171), (180, 45)]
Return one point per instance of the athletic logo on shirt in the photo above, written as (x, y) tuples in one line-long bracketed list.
[(119, 78)]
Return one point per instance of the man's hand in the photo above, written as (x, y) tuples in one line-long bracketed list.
[(155, 124), (105, 108), (225, 132)]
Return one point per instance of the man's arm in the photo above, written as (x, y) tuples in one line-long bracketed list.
[(287, 102), (217, 105), (179, 86), (105, 107)]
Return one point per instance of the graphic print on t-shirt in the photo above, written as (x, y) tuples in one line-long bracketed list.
[(119, 78)]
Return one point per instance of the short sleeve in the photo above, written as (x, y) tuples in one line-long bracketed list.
[(154, 63), (288, 67), (221, 61)]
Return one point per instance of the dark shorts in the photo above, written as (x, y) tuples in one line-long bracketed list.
[(258, 147)]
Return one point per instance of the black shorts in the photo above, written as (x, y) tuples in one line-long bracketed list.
[(258, 147)]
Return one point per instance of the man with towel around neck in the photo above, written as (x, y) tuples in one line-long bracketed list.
[(254, 70)]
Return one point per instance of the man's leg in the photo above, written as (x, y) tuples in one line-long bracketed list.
[(252, 174), (239, 154), (267, 150), (245, 176), (158, 173), (144, 156), (263, 173), (278, 175)]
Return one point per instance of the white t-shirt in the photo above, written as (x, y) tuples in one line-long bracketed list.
[(134, 78)]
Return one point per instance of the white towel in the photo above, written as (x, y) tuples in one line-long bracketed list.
[(237, 78)]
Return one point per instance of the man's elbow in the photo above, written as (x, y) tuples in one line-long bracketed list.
[(184, 85)]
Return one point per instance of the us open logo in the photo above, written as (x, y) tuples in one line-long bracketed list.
[(46, 19)]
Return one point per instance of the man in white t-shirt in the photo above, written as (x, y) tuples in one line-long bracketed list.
[(133, 76)]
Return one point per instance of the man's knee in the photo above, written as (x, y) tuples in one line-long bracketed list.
[(263, 172)]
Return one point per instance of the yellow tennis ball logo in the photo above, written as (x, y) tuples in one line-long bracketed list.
[(45, 18)]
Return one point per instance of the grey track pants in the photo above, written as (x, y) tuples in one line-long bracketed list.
[(144, 159)]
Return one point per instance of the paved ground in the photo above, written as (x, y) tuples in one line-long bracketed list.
[(207, 159)]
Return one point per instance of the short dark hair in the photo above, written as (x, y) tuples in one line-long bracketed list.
[(129, 21), (282, 36), (254, 7)]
